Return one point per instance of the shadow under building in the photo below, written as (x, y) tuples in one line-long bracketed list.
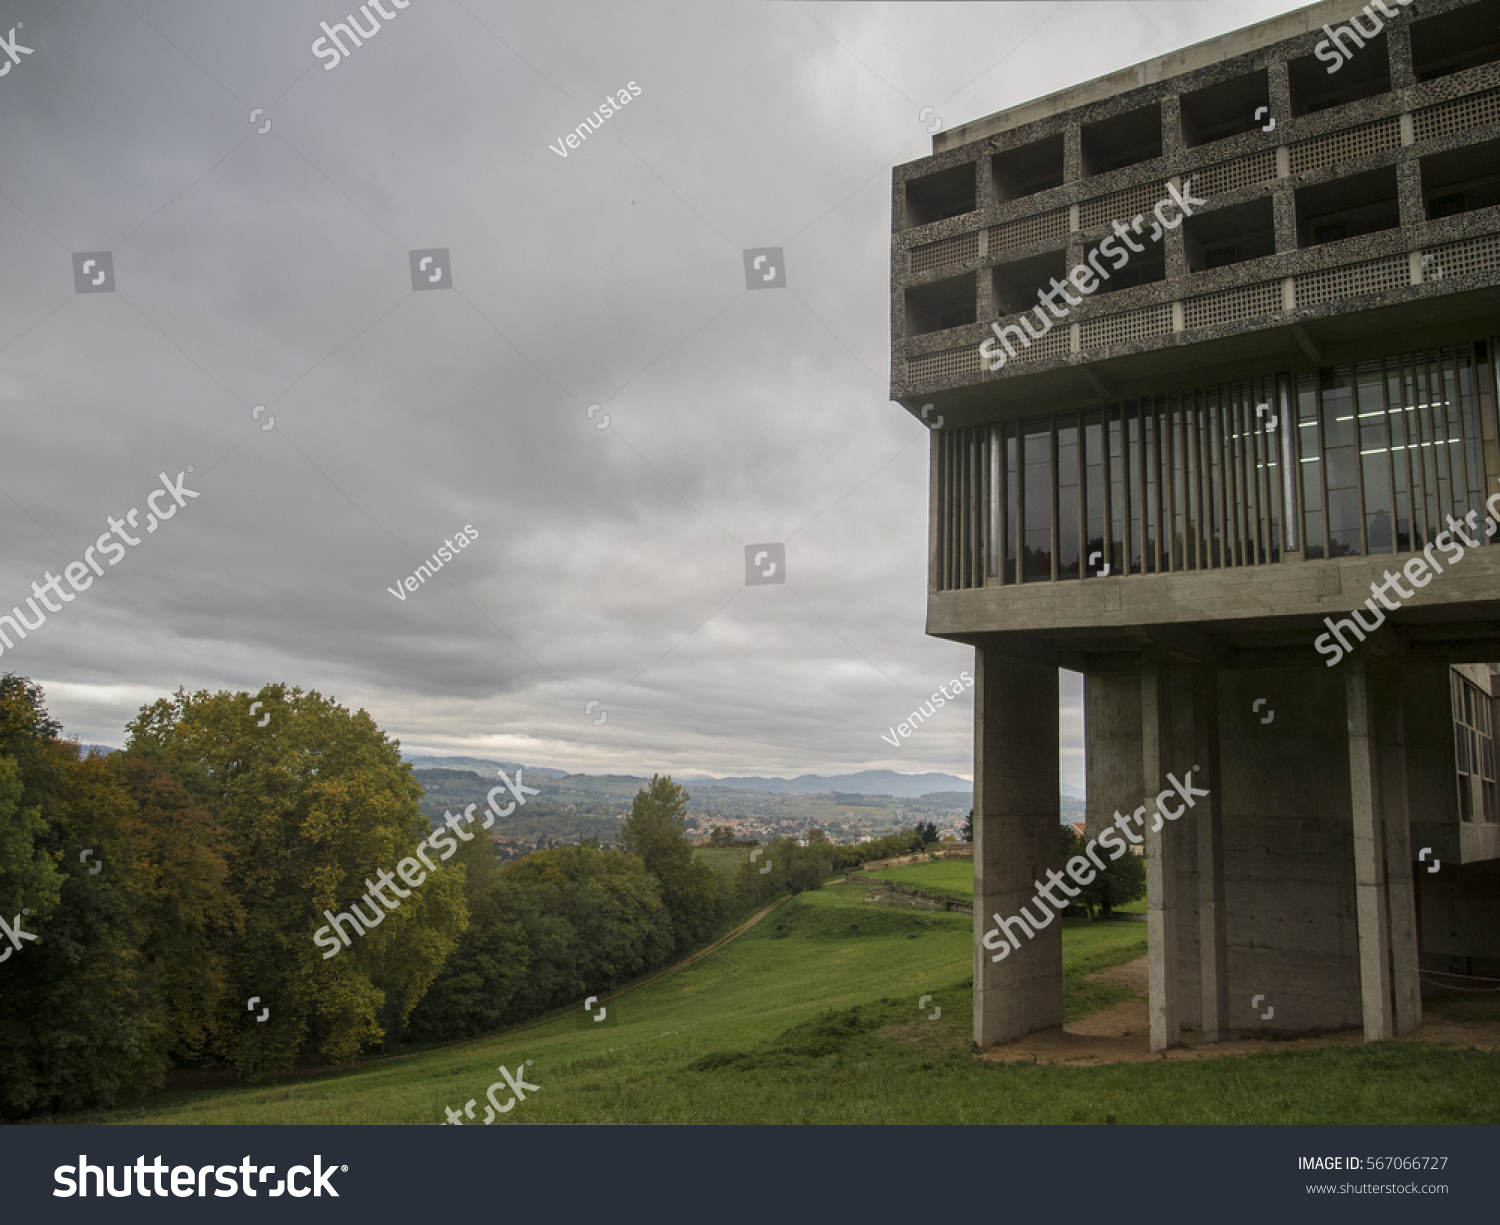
[(1184, 477)]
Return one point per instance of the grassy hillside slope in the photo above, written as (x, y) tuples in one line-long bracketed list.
[(813, 1017), (954, 878)]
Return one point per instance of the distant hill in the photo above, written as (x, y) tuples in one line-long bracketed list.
[(483, 766), (867, 782)]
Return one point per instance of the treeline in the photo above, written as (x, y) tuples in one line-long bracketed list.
[(166, 899)]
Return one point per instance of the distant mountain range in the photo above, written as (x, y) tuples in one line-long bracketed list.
[(482, 765), (866, 782)]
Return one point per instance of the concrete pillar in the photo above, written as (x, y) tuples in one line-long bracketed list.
[(1161, 855), (1396, 835), (1369, 853), (1111, 744), (1016, 839), (1213, 962)]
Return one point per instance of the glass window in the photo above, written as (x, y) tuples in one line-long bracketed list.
[(1152, 464), (1475, 746), (1339, 453), (1119, 476), (1036, 556), (1067, 501), (1375, 457), (1012, 505), (1383, 452), (1137, 471), (1310, 461), (1095, 503)]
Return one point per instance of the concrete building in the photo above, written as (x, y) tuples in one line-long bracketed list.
[(1201, 456)]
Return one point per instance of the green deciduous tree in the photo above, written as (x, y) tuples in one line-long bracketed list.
[(654, 831), (120, 871), (312, 806), (1123, 879)]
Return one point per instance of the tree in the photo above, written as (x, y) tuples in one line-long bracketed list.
[(311, 806), (29, 876), (116, 873), (968, 834), (922, 835), (654, 831), (191, 916), (1123, 879), (721, 835)]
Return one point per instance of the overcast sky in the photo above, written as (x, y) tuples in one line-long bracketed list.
[(272, 268)]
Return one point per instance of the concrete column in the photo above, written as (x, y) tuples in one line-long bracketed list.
[(1369, 854), (1161, 855), (1016, 818), (1396, 832), (1213, 962)]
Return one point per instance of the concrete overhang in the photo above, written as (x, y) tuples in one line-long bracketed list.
[(1252, 613)]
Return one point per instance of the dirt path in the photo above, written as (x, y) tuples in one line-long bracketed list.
[(1122, 1034)]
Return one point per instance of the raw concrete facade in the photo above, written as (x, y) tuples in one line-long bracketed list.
[(1168, 484)]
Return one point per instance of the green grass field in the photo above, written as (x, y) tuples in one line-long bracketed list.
[(954, 878), (725, 860), (812, 1017), (946, 878)]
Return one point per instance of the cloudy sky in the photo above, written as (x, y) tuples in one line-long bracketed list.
[(266, 262)]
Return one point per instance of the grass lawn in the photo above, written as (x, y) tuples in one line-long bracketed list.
[(946, 878), (954, 878), (813, 1017), (724, 860)]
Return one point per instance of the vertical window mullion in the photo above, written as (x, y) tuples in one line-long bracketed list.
[(1200, 509), (976, 503), (994, 507), (1167, 443), (1390, 455), (1233, 437), (962, 440), (945, 509), (1458, 479), (1320, 409), (1416, 472), (1052, 439), (1291, 471), (1252, 471), (1083, 481), (1106, 479), (1216, 465), (1130, 482)]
